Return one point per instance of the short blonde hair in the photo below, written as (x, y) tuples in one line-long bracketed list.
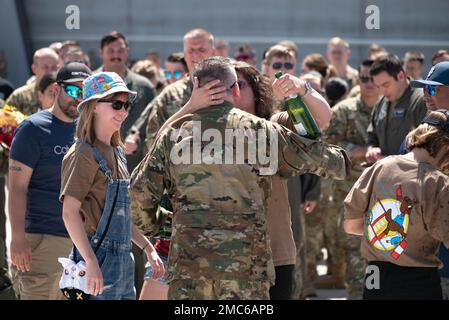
[(85, 130), (279, 51)]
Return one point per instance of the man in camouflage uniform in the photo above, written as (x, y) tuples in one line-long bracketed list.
[(348, 129), (219, 247), (25, 98), (314, 225), (198, 45)]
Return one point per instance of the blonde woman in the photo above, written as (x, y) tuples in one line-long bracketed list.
[(94, 191)]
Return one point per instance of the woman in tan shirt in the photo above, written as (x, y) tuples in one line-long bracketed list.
[(94, 191), (400, 206)]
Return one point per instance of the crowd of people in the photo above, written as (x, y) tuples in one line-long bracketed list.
[(91, 174)]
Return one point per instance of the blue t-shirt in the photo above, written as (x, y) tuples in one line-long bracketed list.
[(40, 142)]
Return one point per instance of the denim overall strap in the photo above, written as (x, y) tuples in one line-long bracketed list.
[(117, 205), (103, 163)]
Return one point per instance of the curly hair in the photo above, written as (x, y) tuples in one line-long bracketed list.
[(261, 86)]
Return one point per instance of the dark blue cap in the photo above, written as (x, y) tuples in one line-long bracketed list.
[(438, 76), (443, 125)]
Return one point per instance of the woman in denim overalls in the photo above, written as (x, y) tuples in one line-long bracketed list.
[(107, 253)]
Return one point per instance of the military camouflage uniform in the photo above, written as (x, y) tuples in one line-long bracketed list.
[(314, 222), (219, 223), (170, 100), (348, 129), (25, 99)]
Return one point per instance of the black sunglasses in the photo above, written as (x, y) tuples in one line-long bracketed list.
[(117, 104), (278, 65)]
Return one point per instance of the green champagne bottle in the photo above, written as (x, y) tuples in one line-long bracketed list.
[(302, 118)]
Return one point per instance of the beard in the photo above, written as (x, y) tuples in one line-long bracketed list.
[(68, 108)]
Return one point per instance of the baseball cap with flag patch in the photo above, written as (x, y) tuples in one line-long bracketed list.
[(102, 84)]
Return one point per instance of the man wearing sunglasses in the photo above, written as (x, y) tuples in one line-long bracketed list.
[(435, 87), (40, 142), (279, 58), (436, 96), (175, 67)]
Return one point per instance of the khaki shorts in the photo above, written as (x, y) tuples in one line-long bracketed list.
[(42, 281)]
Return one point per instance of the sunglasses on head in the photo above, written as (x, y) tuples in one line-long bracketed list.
[(365, 79), (287, 65), (117, 104), (73, 91), (431, 89), (177, 74)]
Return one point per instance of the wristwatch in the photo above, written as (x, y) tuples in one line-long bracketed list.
[(309, 89)]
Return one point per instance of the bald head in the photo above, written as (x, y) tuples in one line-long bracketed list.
[(45, 61), (44, 53)]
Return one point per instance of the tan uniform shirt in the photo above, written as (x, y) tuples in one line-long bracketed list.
[(406, 209), (82, 178)]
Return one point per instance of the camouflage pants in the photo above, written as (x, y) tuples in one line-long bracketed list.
[(314, 238), (300, 269), (445, 287), (355, 270), (190, 289), (334, 234)]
